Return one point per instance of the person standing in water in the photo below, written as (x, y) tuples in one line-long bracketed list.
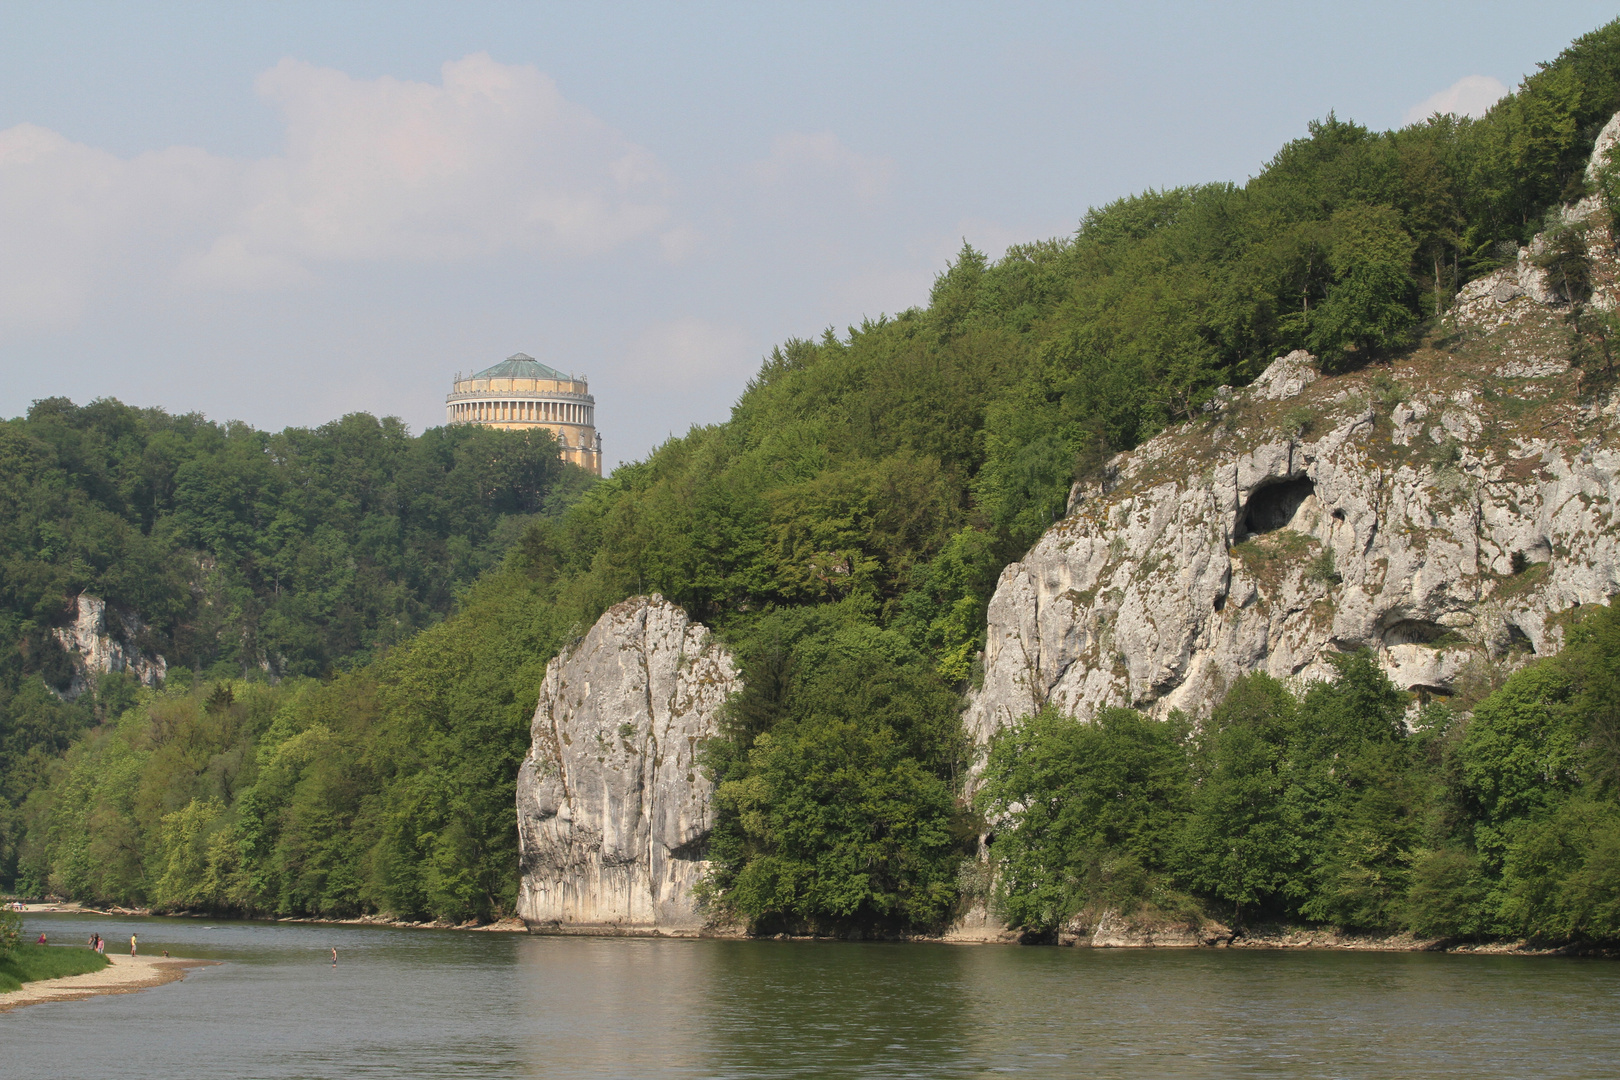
[(132, 944), (334, 956)]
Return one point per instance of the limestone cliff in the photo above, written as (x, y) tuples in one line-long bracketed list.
[(102, 640), (1442, 510), (613, 810)]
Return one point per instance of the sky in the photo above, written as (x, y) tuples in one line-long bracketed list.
[(285, 212)]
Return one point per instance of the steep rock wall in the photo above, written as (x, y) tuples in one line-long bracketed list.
[(102, 641), (1440, 511), (613, 810)]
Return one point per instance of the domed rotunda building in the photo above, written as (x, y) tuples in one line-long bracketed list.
[(521, 393)]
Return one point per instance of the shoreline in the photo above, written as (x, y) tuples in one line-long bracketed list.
[(125, 975), (1107, 934)]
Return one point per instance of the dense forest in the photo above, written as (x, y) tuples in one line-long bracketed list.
[(234, 553), (843, 532)]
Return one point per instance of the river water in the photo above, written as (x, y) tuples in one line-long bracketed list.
[(424, 1003)]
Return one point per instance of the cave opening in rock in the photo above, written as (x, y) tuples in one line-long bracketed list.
[(1518, 639), (1272, 506), (1415, 632)]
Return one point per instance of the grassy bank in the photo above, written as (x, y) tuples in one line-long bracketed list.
[(30, 963)]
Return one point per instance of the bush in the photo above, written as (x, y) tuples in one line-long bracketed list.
[(1323, 569), (10, 930), (1084, 814), (1447, 895)]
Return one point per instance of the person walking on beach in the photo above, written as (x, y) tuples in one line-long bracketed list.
[(132, 944), (101, 945)]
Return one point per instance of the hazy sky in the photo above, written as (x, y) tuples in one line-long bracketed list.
[(284, 212)]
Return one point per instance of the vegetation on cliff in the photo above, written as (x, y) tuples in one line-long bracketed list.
[(843, 531), (1327, 808)]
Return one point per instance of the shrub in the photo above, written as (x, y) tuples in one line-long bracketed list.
[(10, 930)]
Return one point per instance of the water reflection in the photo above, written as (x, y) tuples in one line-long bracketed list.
[(405, 1003)]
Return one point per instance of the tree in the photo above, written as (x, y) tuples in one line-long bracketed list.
[(1239, 843), (1368, 306), (1082, 813)]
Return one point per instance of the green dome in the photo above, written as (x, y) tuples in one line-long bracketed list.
[(519, 366)]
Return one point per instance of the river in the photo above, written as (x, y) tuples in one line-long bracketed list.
[(425, 1003)]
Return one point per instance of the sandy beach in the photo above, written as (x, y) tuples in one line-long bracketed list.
[(125, 975)]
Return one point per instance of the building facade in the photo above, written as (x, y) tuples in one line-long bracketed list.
[(521, 393)]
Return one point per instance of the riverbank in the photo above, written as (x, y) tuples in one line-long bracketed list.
[(509, 925), (1110, 931), (124, 975)]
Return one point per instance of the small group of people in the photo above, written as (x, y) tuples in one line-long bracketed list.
[(98, 944)]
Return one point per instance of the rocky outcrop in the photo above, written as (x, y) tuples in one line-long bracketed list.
[(1515, 292), (1443, 513), (102, 639), (1440, 519), (1285, 377), (613, 808)]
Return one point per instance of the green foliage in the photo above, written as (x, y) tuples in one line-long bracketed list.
[(1447, 895), (1369, 304), (1332, 807), (32, 963), (843, 530), (1561, 876), (1085, 815), (835, 806), (244, 548), (385, 789), (1242, 842), (1323, 569), (10, 931), (1567, 261), (242, 553)]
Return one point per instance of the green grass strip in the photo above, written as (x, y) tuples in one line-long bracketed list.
[(30, 963)]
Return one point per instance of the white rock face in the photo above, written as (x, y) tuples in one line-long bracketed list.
[(1603, 146), (1434, 530), (1285, 377), (613, 810), (101, 650), (1514, 293)]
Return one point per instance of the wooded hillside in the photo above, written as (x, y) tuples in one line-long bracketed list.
[(842, 531)]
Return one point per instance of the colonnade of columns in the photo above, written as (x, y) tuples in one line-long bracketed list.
[(540, 412)]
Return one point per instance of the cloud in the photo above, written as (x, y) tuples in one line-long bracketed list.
[(1471, 95), (687, 351), (821, 160), (492, 159), (75, 217)]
